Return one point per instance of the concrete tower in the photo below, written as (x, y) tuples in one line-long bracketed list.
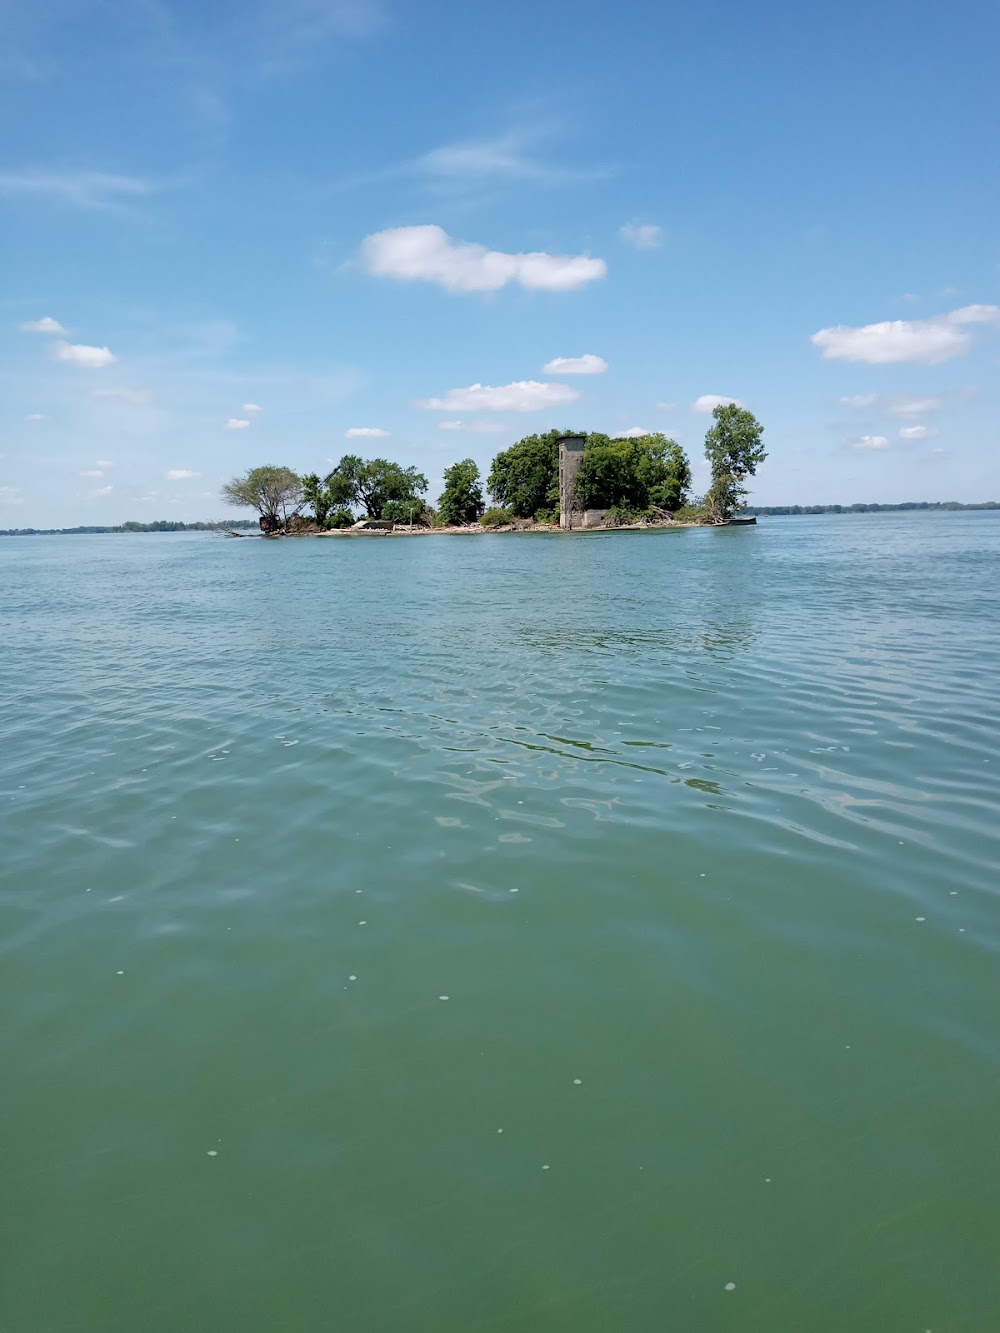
[(570, 458)]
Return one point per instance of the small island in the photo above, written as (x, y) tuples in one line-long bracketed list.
[(567, 480)]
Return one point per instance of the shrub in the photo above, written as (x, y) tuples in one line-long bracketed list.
[(547, 516), (497, 518), (340, 518)]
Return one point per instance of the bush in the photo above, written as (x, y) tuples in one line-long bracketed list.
[(340, 518), (693, 513), (547, 516), (620, 515), (497, 518)]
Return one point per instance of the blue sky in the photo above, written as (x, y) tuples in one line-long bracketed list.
[(237, 233)]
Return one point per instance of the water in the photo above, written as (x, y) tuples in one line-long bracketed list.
[(697, 832)]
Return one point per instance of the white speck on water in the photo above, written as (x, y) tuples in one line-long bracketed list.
[(953, 893), (578, 1081), (121, 974), (961, 930), (352, 977), (509, 890), (730, 1286), (212, 1153), (359, 890), (767, 1180), (702, 875), (116, 899), (921, 918), (362, 923), (499, 1131), (444, 997), (546, 1167)]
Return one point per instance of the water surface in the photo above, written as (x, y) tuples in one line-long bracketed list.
[(558, 933)]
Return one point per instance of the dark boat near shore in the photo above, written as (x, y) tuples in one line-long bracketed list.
[(743, 522)]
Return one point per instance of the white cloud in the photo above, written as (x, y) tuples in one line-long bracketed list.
[(180, 474), (916, 407), (475, 427), (44, 325), (79, 354), (709, 401), (104, 490), (366, 433), (134, 397), (105, 462), (11, 495), (428, 254), (665, 407), (925, 341), (642, 236), (36, 416), (872, 442), (84, 189), (251, 409), (237, 423), (860, 400), (633, 433), (914, 432), (521, 396), (92, 472), (588, 364)]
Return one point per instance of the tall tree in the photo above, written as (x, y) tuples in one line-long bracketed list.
[(275, 492), (462, 498), (373, 484), (525, 477), (734, 450), (316, 493), (633, 473)]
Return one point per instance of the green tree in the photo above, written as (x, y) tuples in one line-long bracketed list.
[(316, 493), (275, 492), (734, 450), (374, 483), (525, 477), (633, 474), (462, 498)]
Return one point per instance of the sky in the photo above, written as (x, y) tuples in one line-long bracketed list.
[(236, 232)]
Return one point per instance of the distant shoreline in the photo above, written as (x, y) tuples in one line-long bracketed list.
[(249, 526)]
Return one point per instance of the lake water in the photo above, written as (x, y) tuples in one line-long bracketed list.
[(592, 933)]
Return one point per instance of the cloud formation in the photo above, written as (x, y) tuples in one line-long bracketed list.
[(79, 354), (633, 433), (923, 341), (860, 400), (82, 189), (180, 474), (872, 442), (366, 433), (588, 364), (474, 427), (914, 432), (92, 472), (521, 396), (708, 402), (237, 423), (916, 407), (36, 416), (251, 409), (44, 325), (429, 254), (641, 236)]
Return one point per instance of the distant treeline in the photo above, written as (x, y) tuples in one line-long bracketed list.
[(776, 510), (161, 525)]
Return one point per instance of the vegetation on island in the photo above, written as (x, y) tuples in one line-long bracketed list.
[(630, 478)]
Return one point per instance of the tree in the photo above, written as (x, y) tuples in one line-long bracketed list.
[(525, 477), (734, 450), (275, 492), (316, 493), (633, 473), (462, 498), (373, 484)]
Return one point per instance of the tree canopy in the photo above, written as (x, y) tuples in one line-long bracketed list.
[(633, 473), (374, 484), (275, 492), (525, 477), (734, 451), (462, 498)]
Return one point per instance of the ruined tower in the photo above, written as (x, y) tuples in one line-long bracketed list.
[(570, 459)]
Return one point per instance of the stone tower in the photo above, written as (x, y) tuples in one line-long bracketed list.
[(570, 459)]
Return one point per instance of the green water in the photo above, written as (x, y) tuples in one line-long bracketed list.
[(697, 832)]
